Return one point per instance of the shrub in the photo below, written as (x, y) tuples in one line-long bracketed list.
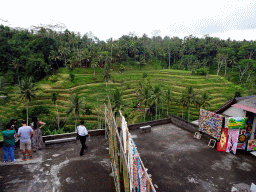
[(72, 77), (53, 78), (144, 75), (202, 71)]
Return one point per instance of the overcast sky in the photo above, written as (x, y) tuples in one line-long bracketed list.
[(113, 18)]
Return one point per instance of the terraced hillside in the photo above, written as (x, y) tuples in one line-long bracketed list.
[(95, 90)]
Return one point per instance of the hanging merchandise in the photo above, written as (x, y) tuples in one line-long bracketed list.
[(135, 170), (251, 145), (124, 128), (222, 145), (237, 122), (143, 180), (232, 140), (241, 146), (210, 123)]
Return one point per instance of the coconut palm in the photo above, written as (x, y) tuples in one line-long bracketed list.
[(203, 100), (168, 98), (76, 106), (27, 91), (145, 97), (94, 64), (54, 97), (116, 101), (188, 97), (106, 74), (157, 96)]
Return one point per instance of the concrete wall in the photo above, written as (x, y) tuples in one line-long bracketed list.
[(152, 123), (235, 112), (183, 123)]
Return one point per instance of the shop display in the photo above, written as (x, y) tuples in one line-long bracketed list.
[(232, 140), (237, 122), (222, 145), (251, 145), (210, 123)]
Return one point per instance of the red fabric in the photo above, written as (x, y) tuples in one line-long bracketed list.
[(222, 144)]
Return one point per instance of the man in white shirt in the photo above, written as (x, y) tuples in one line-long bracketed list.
[(83, 133)]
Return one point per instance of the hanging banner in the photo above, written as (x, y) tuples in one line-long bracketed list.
[(222, 145), (210, 123), (237, 122), (232, 140), (251, 145)]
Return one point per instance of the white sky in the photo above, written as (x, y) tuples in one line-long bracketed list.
[(113, 18)]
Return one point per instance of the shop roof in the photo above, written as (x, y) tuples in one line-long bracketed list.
[(245, 101), (247, 104)]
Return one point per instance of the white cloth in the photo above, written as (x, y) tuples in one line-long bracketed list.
[(82, 131)]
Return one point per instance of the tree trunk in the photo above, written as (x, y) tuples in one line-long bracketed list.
[(94, 71), (58, 119), (27, 112), (169, 61), (156, 111), (188, 111), (75, 124)]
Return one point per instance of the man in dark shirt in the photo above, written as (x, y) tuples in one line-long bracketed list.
[(9, 143)]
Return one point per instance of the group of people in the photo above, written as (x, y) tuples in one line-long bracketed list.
[(30, 138)]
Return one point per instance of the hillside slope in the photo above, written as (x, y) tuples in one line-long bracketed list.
[(94, 90)]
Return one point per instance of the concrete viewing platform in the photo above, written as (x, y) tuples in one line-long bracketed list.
[(59, 167), (176, 161)]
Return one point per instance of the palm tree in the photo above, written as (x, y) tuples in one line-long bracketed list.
[(203, 100), (116, 101), (16, 64), (27, 91), (106, 74), (94, 65), (76, 106), (188, 97), (156, 96), (168, 98), (54, 99), (145, 97)]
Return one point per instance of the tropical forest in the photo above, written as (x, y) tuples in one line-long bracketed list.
[(63, 77)]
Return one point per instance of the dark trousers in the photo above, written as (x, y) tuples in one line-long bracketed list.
[(82, 140)]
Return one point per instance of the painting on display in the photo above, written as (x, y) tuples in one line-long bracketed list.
[(241, 146), (251, 145), (232, 140), (222, 144), (210, 123), (237, 122)]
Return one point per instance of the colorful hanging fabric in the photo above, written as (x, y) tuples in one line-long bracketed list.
[(135, 170), (143, 180), (130, 160), (210, 123), (233, 135), (222, 145)]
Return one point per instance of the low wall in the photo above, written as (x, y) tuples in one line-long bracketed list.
[(152, 123), (183, 124), (95, 132)]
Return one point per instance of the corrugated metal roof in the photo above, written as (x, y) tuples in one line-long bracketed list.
[(246, 108)]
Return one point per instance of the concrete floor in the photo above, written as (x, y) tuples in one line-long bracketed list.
[(59, 167), (178, 162)]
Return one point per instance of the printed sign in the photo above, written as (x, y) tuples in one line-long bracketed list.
[(251, 145)]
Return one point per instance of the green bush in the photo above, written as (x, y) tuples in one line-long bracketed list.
[(53, 78), (202, 71)]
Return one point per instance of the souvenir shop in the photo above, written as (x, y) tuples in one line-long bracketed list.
[(230, 133)]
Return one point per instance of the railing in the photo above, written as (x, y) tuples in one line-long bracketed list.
[(129, 172)]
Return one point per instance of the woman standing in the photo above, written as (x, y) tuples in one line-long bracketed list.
[(37, 139), (13, 127), (9, 143)]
